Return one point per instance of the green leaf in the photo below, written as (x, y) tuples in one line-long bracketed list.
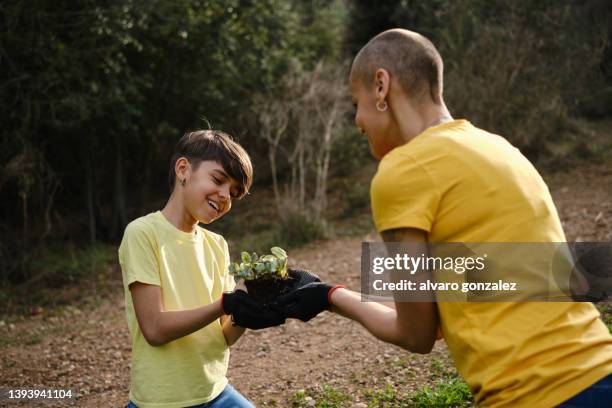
[(278, 252), (233, 268), (260, 267), (246, 258)]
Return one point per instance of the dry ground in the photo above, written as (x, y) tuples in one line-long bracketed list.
[(85, 346)]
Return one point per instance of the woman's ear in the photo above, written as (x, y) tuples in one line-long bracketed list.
[(382, 80)]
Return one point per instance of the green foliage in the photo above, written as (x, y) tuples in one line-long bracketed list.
[(448, 392), (300, 227), (57, 264), (605, 308), (50, 267), (385, 398), (518, 68), (96, 94), (264, 267), (350, 152), (323, 397), (357, 197)]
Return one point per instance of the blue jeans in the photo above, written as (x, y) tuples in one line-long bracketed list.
[(229, 398), (596, 396)]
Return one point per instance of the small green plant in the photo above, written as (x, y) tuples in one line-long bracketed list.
[(384, 398), (265, 276), (264, 267)]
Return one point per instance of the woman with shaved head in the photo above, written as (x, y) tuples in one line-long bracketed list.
[(445, 180)]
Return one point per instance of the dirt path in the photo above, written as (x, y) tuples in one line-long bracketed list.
[(86, 347)]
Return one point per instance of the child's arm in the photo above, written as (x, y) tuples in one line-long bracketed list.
[(231, 332), (159, 326)]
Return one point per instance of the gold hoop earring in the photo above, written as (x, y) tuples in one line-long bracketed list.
[(381, 108)]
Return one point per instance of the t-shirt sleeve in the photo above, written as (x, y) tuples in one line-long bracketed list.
[(228, 283), (137, 256), (403, 195)]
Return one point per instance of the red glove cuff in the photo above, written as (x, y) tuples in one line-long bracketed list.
[(329, 294)]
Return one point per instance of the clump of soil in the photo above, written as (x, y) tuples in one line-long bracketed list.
[(265, 290)]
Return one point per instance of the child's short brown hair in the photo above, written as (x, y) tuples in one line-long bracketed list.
[(407, 56), (214, 145)]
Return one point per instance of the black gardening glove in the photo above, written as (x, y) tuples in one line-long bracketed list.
[(249, 313), (306, 302), (300, 277)]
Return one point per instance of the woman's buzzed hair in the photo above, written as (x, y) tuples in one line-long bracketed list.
[(407, 56), (215, 145)]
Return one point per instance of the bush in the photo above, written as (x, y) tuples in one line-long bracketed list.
[(298, 227), (518, 68), (350, 152), (56, 264), (356, 198), (523, 92), (49, 268)]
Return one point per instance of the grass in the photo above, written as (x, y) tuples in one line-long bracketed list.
[(447, 392), (323, 397), (605, 308), (385, 398), (29, 337), (56, 276)]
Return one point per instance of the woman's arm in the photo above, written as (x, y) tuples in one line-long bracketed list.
[(411, 325), (159, 326), (414, 329)]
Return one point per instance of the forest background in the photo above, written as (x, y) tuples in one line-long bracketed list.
[(94, 96)]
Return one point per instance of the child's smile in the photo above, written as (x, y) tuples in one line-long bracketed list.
[(211, 182)]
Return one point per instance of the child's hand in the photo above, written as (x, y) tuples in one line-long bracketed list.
[(248, 313)]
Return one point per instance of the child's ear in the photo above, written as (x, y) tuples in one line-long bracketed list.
[(182, 168)]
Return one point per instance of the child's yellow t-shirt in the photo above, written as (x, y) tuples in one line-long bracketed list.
[(462, 184), (192, 271)]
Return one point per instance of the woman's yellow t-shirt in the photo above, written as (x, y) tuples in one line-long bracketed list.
[(192, 271), (462, 184)]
